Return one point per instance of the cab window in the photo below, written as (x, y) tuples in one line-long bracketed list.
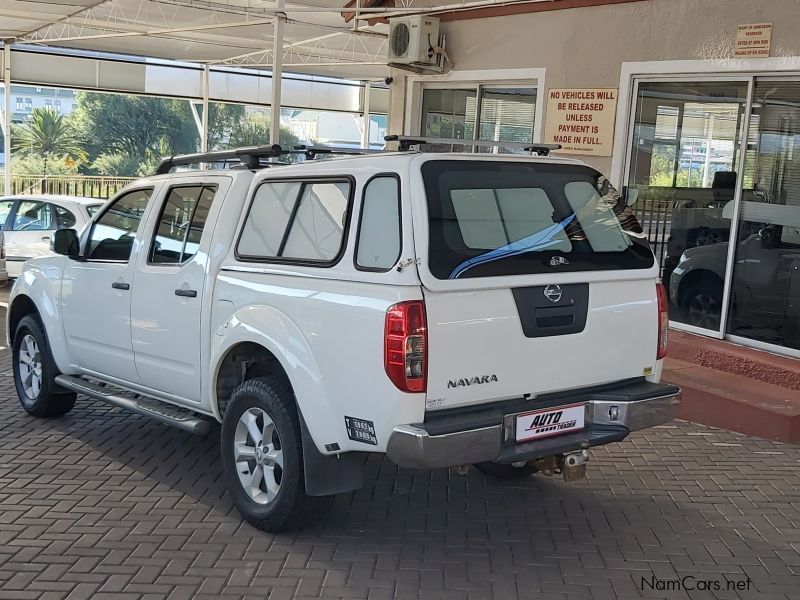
[(5, 210), (180, 224), (33, 215), (113, 234)]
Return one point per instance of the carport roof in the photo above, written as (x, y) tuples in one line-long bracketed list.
[(317, 39)]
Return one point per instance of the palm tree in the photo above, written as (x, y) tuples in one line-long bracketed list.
[(48, 133)]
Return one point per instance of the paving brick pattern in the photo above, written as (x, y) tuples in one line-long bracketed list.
[(108, 505)]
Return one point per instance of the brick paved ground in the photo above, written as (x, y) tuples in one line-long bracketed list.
[(105, 504)]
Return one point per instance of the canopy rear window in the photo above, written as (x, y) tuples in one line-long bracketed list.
[(492, 218)]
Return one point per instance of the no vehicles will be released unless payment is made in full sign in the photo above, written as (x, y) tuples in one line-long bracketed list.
[(581, 120)]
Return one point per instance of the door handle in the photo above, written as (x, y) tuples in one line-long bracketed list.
[(46, 238), (186, 293), (118, 285)]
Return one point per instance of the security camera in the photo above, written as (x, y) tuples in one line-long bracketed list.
[(388, 80)]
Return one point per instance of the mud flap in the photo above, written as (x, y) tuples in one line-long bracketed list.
[(328, 475)]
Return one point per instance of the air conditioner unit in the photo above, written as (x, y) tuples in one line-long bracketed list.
[(412, 40)]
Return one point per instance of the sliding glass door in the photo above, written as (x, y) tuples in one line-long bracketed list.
[(716, 160), (765, 288)]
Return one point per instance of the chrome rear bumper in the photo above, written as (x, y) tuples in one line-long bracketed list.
[(606, 420)]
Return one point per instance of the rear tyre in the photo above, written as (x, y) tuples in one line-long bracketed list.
[(34, 372), (505, 471), (262, 456), (702, 304)]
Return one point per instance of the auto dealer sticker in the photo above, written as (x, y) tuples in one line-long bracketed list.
[(550, 421)]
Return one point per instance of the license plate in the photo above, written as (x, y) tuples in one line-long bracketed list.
[(549, 421)]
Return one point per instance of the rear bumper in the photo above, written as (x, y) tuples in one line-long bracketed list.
[(486, 433)]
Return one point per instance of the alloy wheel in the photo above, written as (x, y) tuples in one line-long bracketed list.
[(258, 455), (30, 367)]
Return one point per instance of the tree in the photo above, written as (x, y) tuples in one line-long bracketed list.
[(48, 134), (230, 126), (222, 118), (256, 132), (133, 129)]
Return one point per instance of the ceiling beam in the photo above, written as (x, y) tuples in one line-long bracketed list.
[(133, 31)]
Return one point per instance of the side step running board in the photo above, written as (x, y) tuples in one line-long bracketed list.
[(181, 418)]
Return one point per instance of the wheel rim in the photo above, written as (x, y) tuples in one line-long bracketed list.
[(704, 311), (258, 454), (30, 367)]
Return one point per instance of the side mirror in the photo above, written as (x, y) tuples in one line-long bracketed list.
[(65, 241)]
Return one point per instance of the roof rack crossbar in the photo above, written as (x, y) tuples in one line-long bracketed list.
[(249, 157), (406, 142)]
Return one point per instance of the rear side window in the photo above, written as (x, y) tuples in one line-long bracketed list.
[(297, 222), (492, 218), (378, 246), (180, 224), (64, 218), (269, 214)]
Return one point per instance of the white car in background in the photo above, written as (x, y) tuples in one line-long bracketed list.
[(29, 222)]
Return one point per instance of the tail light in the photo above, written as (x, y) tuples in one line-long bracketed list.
[(663, 322), (405, 346)]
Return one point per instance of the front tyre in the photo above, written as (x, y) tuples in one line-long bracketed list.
[(34, 371), (262, 456)]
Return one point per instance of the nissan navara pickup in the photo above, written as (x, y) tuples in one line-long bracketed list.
[(444, 309)]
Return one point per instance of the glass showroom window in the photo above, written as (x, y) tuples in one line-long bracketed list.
[(501, 113), (683, 161)]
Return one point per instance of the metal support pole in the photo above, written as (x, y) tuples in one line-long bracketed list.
[(365, 108), (7, 114), (277, 72), (204, 132)]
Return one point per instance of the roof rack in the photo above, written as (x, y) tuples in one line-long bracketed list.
[(250, 157), (405, 142)]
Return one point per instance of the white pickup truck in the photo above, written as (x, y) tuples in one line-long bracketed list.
[(444, 309)]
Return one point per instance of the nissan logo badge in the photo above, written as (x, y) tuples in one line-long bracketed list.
[(553, 292)]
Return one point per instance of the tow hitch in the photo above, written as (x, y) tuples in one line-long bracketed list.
[(572, 465)]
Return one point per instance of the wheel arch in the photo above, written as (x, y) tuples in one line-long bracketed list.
[(257, 340), (324, 474), (242, 361), (21, 306)]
